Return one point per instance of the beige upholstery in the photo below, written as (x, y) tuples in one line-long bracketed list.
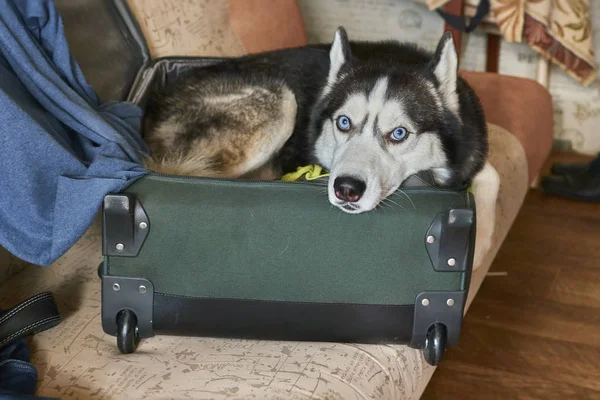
[(218, 28), (76, 360)]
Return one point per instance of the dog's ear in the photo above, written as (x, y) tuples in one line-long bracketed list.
[(339, 55), (444, 66)]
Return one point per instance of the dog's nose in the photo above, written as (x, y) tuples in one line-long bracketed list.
[(348, 188)]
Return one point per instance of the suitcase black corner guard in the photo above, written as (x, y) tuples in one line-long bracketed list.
[(125, 224), (121, 293), (447, 240)]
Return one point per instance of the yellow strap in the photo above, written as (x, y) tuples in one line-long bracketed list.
[(315, 171), (310, 173)]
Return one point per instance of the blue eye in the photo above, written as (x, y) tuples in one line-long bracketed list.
[(343, 123), (399, 134)]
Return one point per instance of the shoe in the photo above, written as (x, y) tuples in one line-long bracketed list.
[(583, 186), (574, 168), (566, 168)]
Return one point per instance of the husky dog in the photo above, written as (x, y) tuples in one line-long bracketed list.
[(372, 114)]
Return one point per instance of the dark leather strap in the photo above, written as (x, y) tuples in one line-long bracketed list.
[(459, 22), (32, 316)]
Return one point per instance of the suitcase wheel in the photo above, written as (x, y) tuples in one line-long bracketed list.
[(127, 331), (435, 344)]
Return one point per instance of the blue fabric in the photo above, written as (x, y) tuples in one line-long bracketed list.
[(18, 378), (61, 149)]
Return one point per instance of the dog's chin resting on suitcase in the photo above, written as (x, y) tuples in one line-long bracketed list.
[(372, 113)]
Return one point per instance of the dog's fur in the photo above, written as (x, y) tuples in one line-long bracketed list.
[(266, 114)]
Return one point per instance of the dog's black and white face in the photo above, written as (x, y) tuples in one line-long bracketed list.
[(381, 123)]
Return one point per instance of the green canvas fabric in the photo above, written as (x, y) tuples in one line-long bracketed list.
[(283, 241)]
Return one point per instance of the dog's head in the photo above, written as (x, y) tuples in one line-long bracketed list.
[(380, 122)]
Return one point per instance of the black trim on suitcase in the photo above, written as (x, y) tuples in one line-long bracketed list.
[(431, 324), (438, 307), (126, 225), (280, 320), (447, 240), (125, 293)]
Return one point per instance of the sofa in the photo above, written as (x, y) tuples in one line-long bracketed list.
[(77, 360)]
